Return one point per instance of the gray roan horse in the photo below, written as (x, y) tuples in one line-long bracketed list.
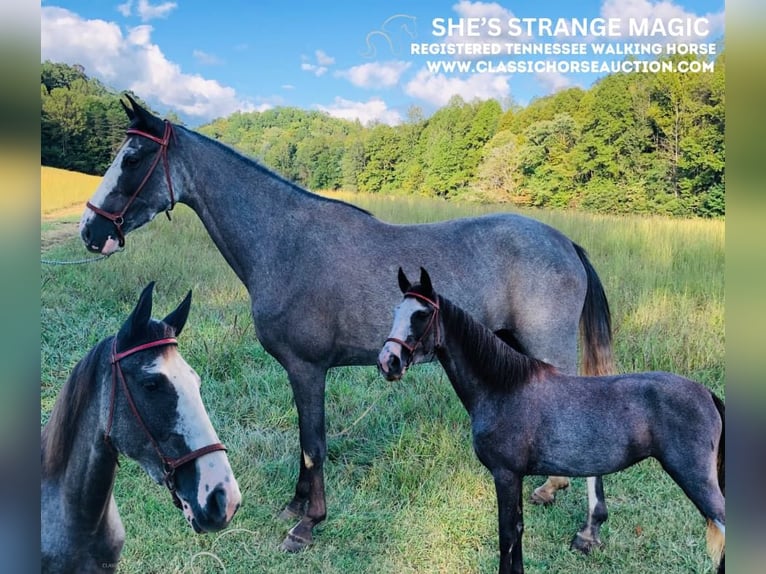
[(315, 270), (131, 394), (529, 418)]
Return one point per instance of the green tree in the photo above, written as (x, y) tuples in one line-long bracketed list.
[(498, 176)]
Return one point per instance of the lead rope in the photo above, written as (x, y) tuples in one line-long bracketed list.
[(74, 261)]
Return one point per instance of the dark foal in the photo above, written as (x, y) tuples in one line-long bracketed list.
[(528, 418)]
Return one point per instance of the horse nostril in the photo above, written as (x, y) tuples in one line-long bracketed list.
[(216, 505), (394, 364)]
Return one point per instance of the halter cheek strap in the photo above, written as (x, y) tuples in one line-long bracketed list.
[(169, 465), (162, 153)]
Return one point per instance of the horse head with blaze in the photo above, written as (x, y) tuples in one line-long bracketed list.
[(132, 394), (133, 189)]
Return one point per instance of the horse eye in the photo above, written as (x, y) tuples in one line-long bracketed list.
[(151, 384), (131, 161), (420, 315)]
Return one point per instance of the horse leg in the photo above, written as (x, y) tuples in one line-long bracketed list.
[(546, 493), (296, 508), (510, 521), (701, 483), (308, 386), (587, 538)]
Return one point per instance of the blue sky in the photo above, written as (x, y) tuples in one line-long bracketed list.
[(204, 60)]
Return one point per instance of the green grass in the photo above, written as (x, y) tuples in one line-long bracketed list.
[(405, 491)]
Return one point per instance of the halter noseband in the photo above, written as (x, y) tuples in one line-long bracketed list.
[(433, 323), (119, 218), (169, 465)]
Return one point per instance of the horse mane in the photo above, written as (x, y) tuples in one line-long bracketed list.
[(58, 434), (271, 173), (498, 365)]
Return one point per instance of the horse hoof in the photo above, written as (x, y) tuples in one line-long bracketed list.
[(294, 543), (583, 544), (546, 493), (542, 496)]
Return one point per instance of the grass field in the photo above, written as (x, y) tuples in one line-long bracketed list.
[(405, 491), (62, 189)]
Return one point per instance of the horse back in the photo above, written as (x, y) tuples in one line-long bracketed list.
[(509, 271)]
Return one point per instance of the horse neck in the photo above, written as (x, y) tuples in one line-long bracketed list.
[(242, 204), (86, 479), (453, 358), (475, 360)]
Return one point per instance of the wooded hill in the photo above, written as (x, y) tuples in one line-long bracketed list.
[(632, 143)]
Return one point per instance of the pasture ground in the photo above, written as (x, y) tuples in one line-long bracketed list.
[(405, 491)]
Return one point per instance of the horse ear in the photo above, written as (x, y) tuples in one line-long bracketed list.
[(404, 283), (141, 118), (425, 281), (128, 110), (140, 315), (177, 318)]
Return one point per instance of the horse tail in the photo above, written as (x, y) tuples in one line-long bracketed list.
[(595, 323), (716, 534), (720, 407)]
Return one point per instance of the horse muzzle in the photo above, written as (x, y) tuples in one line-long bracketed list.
[(98, 234), (208, 492), (220, 506), (390, 364)]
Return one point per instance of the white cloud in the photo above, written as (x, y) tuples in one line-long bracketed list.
[(663, 10), (375, 74), (132, 62), (437, 89), (323, 59), (485, 11), (321, 66), (148, 11), (206, 59), (126, 8), (553, 81), (373, 110), (314, 69), (140, 35)]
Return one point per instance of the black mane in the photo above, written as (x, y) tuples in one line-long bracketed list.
[(57, 437), (498, 365), (271, 173)]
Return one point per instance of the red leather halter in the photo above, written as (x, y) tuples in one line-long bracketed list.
[(162, 153), (433, 323), (168, 464)]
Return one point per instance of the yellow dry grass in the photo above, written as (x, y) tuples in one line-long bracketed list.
[(62, 190)]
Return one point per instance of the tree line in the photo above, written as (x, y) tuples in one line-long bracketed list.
[(631, 143)]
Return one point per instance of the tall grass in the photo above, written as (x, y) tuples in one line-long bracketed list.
[(405, 491), (61, 189)]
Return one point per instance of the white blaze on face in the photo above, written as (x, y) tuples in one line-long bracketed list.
[(401, 329), (108, 183), (194, 425)]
